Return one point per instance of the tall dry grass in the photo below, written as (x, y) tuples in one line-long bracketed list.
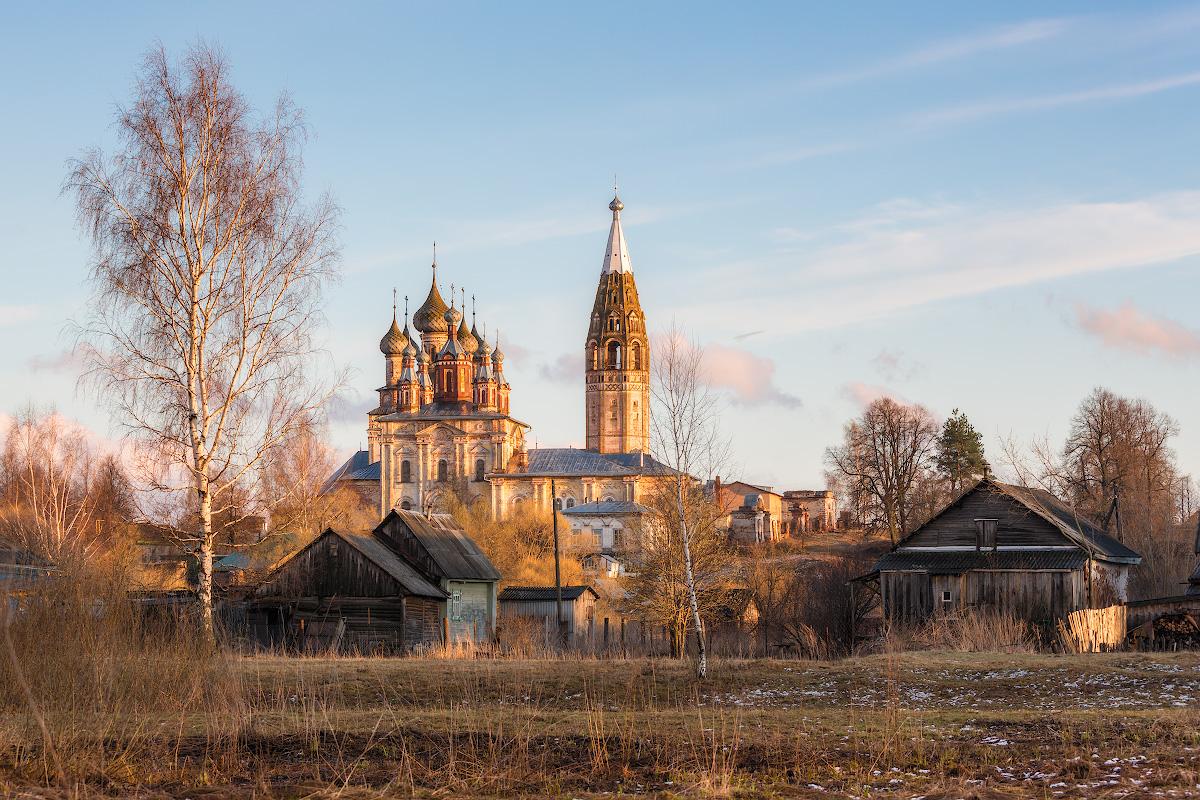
[(968, 631)]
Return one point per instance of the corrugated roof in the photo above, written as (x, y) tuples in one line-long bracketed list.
[(954, 562), (455, 553), (605, 508), (542, 593), (569, 461)]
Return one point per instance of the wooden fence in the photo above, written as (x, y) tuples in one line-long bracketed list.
[(1093, 630)]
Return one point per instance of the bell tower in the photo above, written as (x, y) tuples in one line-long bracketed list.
[(617, 355)]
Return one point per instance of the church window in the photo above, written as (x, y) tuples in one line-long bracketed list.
[(441, 472), (635, 355), (405, 472), (558, 504), (405, 505), (614, 355), (479, 468), (570, 502)]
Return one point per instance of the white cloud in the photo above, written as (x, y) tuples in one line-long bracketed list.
[(887, 261), (11, 315)]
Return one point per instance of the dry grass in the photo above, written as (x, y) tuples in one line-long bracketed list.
[(150, 717)]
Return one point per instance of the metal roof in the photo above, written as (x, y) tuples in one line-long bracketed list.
[(955, 562), (357, 467), (542, 593), (1074, 525), (608, 508), (554, 461), (455, 554)]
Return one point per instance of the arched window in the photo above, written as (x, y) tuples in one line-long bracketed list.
[(614, 355), (405, 472), (558, 504), (404, 504), (635, 355), (608, 498), (592, 355), (570, 502), (479, 469), (441, 474)]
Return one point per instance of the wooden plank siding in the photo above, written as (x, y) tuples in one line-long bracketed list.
[(1017, 526), (1033, 594)]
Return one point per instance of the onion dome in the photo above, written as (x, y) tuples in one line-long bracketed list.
[(410, 351), (452, 346), (394, 341), (468, 340), (616, 204), (430, 317)]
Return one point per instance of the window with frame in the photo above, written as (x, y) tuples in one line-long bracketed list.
[(442, 471), (598, 537), (946, 597), (479, 469), (618, 538), (558, 504), (405, 471), (456, 605)]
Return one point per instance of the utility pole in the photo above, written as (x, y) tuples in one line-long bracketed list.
[(557, 567)]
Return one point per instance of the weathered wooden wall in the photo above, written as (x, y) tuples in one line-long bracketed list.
[(1017, 526), (580, 614), (330, 567), (1034, 594)]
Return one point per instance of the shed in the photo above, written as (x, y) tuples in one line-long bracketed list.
[(541, 603), (385, 603), (1003, 547), (439, 547)]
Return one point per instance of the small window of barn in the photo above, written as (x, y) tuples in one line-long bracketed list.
[(456, 606), (985, 534), (946, 597)]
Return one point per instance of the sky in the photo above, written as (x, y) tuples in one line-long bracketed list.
[(988, 207)]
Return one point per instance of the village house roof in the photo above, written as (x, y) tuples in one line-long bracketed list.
[(1076, 528), (441, 545), (956, 563), (543, 593), (608, 508)]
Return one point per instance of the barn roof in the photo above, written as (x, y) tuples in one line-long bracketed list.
[(542, 593), (942, 562), (455, 553), (1074, 525), (379, 554)]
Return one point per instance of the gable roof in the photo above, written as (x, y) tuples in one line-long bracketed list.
[(543, 593), (379, 554), (956, 562), (607, 508), (454, 554), (1077, 528), (357, 468)]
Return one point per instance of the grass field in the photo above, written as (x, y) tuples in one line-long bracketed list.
[(927, 725)]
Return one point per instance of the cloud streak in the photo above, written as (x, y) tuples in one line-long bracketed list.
[(1129, 328)]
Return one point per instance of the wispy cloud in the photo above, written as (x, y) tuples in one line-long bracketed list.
[(749, 378), (11, 315), (973, 111), (941, 52), (1128, 327), (888, 261), (566, 370), (863, 394), (897, 366)]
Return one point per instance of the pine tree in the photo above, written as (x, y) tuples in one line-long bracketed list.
[(960, 451)]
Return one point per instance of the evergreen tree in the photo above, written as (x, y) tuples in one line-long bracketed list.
[(960, 451)]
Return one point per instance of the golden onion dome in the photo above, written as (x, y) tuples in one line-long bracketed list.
[(394, 341), (430, 317)]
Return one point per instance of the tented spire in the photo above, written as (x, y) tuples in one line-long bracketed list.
[(616, 257)]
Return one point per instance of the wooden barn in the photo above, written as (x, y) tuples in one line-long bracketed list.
[(1008, 548), (439, 547), (345, 591), (541, 603)]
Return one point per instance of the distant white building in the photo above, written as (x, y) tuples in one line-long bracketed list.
[(607, 530)]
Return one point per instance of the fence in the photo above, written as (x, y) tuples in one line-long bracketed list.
[(1093, 630)]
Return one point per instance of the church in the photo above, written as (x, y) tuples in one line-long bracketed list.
[(443, 421)]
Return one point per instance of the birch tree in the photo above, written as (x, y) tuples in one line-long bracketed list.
[(208, 275), (685, 436)]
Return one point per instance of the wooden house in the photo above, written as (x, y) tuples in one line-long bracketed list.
[(439, 547), (541, 603), (1003, 547), (345, 591)]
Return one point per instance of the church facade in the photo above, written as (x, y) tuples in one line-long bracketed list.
[(442, 423)]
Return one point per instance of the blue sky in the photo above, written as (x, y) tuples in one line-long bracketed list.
[(991, 209)]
